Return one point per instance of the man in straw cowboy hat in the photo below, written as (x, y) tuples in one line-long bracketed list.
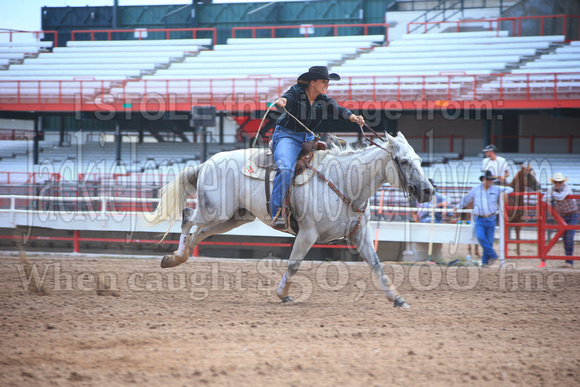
[(303, 106), (485, 198), (567, 208)]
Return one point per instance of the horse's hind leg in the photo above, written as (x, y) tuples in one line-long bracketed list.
[(242, 217), (187, 243), (182, 253)]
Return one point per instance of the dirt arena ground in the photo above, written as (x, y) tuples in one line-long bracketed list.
[(88, 320)]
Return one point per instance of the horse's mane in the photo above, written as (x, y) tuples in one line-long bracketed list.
[(337, 146)]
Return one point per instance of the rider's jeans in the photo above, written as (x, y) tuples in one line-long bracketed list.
[(287, 145)]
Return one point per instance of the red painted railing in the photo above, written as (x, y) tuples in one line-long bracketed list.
[(140, 32), (38, 35), (445, 91), (31, 178), (15, 134), (334, 27), (542, 224), (516, 24)]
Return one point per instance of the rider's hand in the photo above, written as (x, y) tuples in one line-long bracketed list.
[(358, 119), (281, 102)]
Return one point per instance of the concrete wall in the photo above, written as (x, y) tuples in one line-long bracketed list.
[(546, 7)]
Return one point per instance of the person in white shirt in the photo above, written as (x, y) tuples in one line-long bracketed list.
[(486, 200), (497, 165)]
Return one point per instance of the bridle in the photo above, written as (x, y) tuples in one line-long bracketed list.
[(406, 186)]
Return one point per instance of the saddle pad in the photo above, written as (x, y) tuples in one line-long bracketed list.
[(255, 166)]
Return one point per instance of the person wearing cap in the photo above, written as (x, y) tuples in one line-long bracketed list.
[(423, 214), (486, 200), (497, 165), (305, 104), (567, 208)]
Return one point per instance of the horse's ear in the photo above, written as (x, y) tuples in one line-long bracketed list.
[(400, 134), (390, 138)]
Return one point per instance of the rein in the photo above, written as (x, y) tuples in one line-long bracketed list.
[(334, 189), (402, 176), (290, 114)]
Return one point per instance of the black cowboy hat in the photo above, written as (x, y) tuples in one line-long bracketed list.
[(487, 176), (318, 72)]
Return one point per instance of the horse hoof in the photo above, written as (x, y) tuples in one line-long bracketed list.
[(167, 261), (401, 303), (287, 299)]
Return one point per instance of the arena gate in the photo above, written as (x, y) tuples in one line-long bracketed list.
[(544, 227)]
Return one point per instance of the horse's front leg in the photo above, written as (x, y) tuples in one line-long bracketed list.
[(181, 255), (302, 244), (363, 240)]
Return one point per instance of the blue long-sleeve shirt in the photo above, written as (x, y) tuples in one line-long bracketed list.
[(485, 202)]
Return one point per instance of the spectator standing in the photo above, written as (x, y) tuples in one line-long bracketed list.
[(497, 165), (486, 199), (567, 208), (423, 214)]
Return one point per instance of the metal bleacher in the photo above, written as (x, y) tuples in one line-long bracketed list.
[(443, 65), (89, 68), (16, 52), (250, 65)]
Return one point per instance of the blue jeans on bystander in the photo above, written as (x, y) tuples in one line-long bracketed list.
[(286, 145), (484, 231), (568, 237)]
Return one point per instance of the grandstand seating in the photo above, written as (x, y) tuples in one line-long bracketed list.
[(102, 59), (90, 67), (15, 52), (438, 65), (11, 149), (441, 65), (93, 157), (256, 62), (556, 72)]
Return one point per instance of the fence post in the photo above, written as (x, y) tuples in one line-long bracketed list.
[(76, 241), (540, 220), (503, 230)]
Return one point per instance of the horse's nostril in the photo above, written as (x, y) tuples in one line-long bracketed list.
[(426, 191)]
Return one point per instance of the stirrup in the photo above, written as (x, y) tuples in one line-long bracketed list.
[(280, 223)]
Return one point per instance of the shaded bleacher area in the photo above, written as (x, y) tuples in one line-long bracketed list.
[(16, 156)]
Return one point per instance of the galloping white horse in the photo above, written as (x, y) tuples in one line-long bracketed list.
[(226, 199)]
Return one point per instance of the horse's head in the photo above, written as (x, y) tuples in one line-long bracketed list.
[(409, 175), (526, 177)]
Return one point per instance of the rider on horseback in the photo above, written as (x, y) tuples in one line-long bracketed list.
[(305, 105)]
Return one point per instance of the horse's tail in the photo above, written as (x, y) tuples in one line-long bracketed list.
[(172, 197)]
